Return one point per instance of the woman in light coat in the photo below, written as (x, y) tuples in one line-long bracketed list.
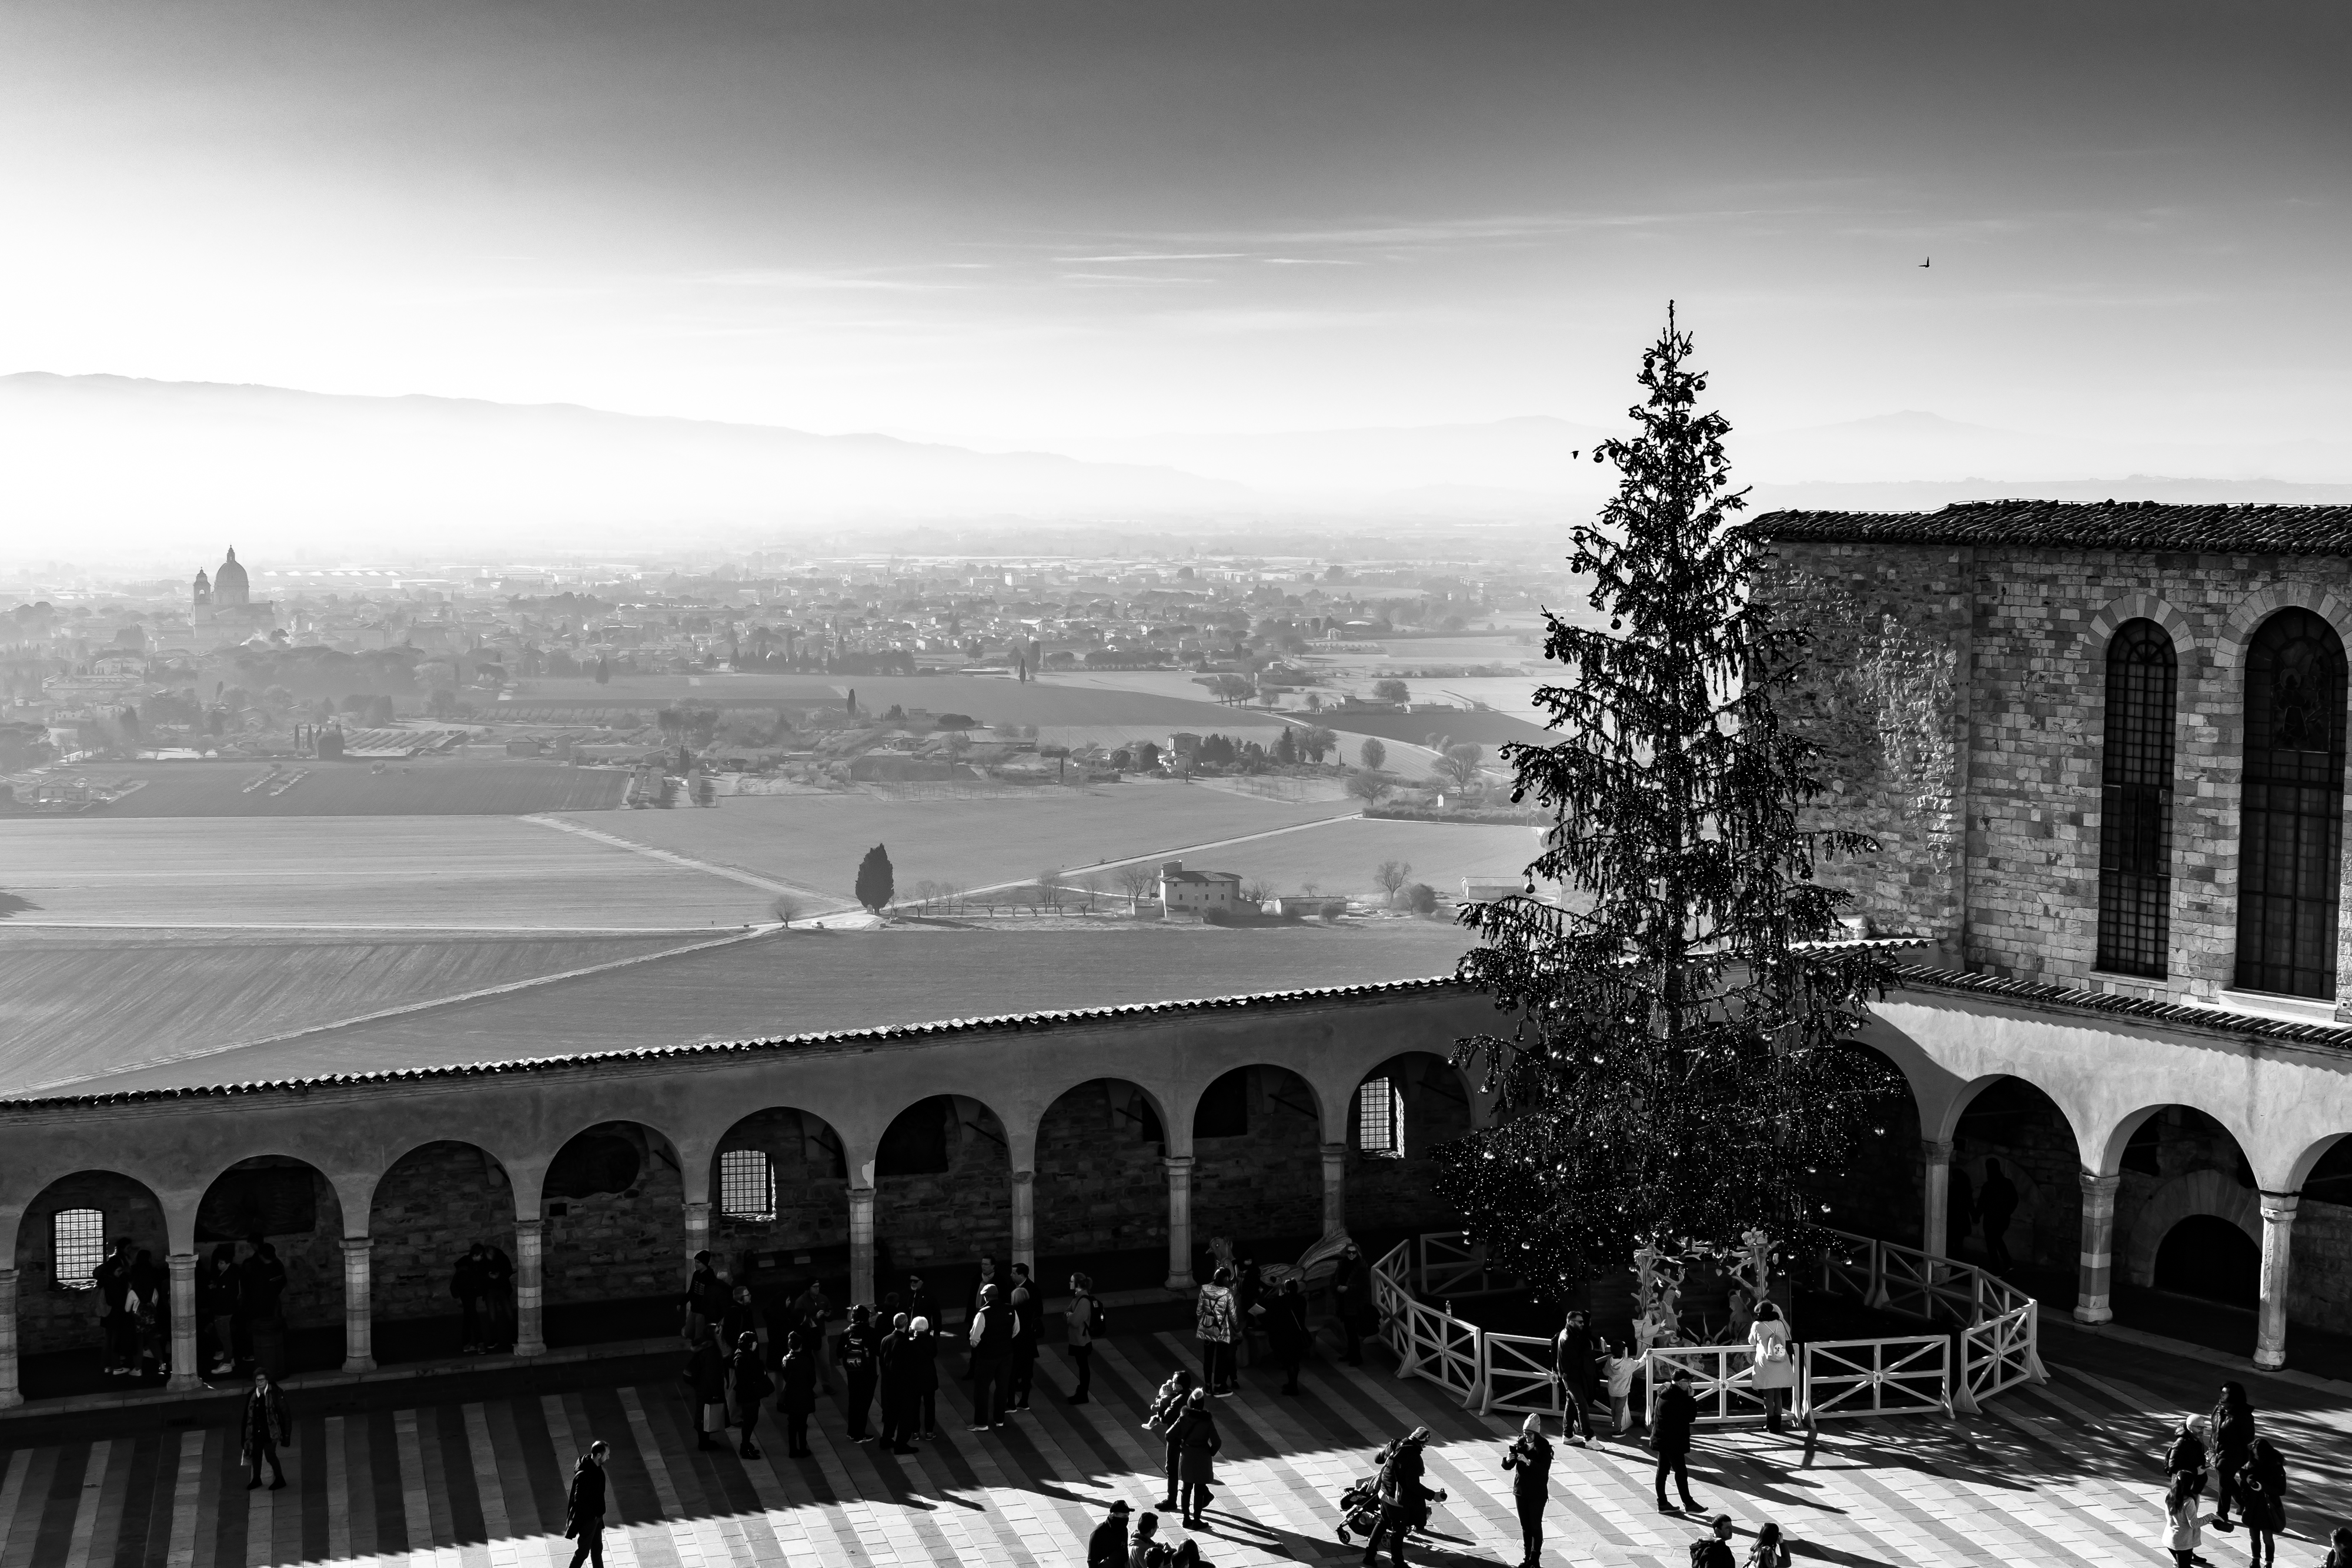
[(1776, 1360)]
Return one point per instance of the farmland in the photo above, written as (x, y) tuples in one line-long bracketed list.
[(357, 873), (433, 787), (992, 700)]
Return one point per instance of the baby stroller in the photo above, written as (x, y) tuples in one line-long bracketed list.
[(1359, 1505)]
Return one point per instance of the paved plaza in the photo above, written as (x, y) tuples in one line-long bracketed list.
[(2061, 1474)]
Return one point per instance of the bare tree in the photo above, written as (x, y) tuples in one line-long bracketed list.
[(1137, 879), (1456, 766), (1368, 785), (1049, 889), (1257, 890), (1390, 876), (786, 907)]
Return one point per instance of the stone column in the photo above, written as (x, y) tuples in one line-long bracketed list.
[(359, 1303), (185, 1371), (529, 1236), (861, 1246), (697, 1232), (2278, 1236), (1180, 1220), (1936, 1196), (12, 1389), (1025, 1219), (1335, 1189), (2095, 1281)]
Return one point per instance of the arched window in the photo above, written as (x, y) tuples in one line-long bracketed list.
[(2136, 801), (2290, 820), (77, 1247)]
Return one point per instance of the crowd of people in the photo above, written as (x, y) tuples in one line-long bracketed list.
[(239, 1285)]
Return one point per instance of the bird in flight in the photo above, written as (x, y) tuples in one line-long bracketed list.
[(1929, 262)]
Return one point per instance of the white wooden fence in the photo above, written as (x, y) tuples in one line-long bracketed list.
[(2000, 1325)]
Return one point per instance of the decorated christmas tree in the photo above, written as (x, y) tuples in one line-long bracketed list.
[(1676, 1075)]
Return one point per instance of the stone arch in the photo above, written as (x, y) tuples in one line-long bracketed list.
[(1882, 1191), (295, 1208), (58, 1334), (612, 1209), (2206, 1192), (2307, 1162), (2103, 625), (429, 1205), (943, 1196), (1101, 1191), (1393, 1188), (1257, 1175), (2013, 1122), (803, 1233), (2247, 616)]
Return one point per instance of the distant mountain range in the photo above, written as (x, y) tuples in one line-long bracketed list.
[(111, 464)]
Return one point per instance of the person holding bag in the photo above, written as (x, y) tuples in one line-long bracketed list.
[(706, 1381), (1530, 1456), (1174, 1397), (1776, 1365)]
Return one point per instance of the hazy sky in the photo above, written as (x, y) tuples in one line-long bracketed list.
[(981, 218)]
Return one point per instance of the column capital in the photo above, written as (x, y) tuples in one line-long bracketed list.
[(701, 1203), (863, 1195), (180, 1260), (2100, 1186), (531, 1227), (2277, 1206), (357, 1244), (1172, 1164), (1023, 1178), (1936, 1151)]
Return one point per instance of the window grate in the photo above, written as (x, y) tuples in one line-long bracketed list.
[(78, 1243), (2291, 813), (2136, 801), (747, 1185), (1380, 1119)]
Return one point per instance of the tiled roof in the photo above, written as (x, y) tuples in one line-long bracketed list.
[(1915, 977), (2139, 526), (1006, 1023)]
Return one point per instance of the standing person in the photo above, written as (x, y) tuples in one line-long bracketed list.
[(1531, 1458), (703, 1288), (2183, 1535), (1107, 1547), (1995, 1204), (796, 1397), (583, 1507), (217, 1300), (2233, 1427), (2262, 1501), (991, 1340), (890, 1381), (1776, 1367), (986, 1282), (2339, 1548), (1212, 1325), (151, 1316), (738, 1317), (466, 1286), (706, 1379), (1670, 1438), (261, 1282), (1175, 1396), (923, 1378), (113, 1280), (497, 1295), (1715, 1551), (750, 1387), (1080, 1325), (1405, 1499), (858, 1353), (263, 1429), (1028, 1307), (918, 1302), (1286, 1331), (1574, 1353), (1622, 1367), (1351, 1298), (2185, 1457), (1771, 1550), (1197, 1442)]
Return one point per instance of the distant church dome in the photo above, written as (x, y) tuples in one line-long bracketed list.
[(204, 588), (229, 587)]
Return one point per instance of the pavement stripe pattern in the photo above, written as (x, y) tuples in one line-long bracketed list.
[(2065, 1473)]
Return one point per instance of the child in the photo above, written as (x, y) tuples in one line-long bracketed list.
[(2182, 1534), (1622, 1367)]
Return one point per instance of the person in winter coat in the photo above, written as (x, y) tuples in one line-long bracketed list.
[(1995, 1205), (1027, 1303), (1107, 1547), (2185, 1457), (1622, 1367), (2262, 1501), (991, 1341), (1214, 1326), (1168, 1406), (262, 1429), (2181, 1532), (922, 1379), (1715, 1550), (918, 1302), (583, 1507), (1249, 1312), (751, 1385), (2232, 1430), (1286, 1332), (858, 1351), (704, 1299), (1404, 1498), (217, 1302), (497, 1295), (151, 1315), (1776, 1362), (738, 1317), (1670, 1438), (466, 1287), (1197, 1442), (1080, 1324), (1531, 1458), (113, 1280), (1574, 1353), (987, 1281), (706, 1378), (890, 1385), (796, 1399), (1351, 1297)]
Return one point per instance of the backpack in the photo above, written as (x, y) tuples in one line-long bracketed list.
[(1098, 1320), (1702, 1551)]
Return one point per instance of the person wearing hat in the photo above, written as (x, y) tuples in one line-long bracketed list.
[(1404, 1501), (1716, 1550), (2185, 1457), (1107, 1547), (1670, 1438)]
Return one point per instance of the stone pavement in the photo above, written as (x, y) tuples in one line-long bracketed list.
[(2063, 1474)]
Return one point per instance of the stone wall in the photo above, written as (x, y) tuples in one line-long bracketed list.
[(435, 1203), (2319, 1273), (1100, 1185), (1266, 1184), (2026, 629), (954, 1216), (619, 1246), (49, 1319), (811, 1189), (1386, 1194), (314, 1258), (2017, 1125)]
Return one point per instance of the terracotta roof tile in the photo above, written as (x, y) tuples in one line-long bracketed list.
[(2135, 526)]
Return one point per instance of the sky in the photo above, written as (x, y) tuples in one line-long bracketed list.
[(1012, 223)]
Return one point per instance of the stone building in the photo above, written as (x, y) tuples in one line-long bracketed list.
[(2102, 747), (222, 607)]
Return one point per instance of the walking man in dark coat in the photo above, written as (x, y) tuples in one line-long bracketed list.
[(263, 1429), (1351, 1297), (465, 1285), (113, 1279), (1107, 1547), (497, 1296), (796, 1397), (1080, 1324), (918, 1302), (1997, 1204), (1574, 1353), (859, 1353), (1286, 1331), (583, 1508), (1670, 1436), (891, 1358), (706, 1378), (1028, 1304), (991, 1339)]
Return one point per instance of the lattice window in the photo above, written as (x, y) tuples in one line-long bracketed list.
[(747, 1185), (2291, 815), (1380, 1118), (2136, 801), (78, 1245)]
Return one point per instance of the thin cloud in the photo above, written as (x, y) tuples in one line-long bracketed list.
[(1161, 255)]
